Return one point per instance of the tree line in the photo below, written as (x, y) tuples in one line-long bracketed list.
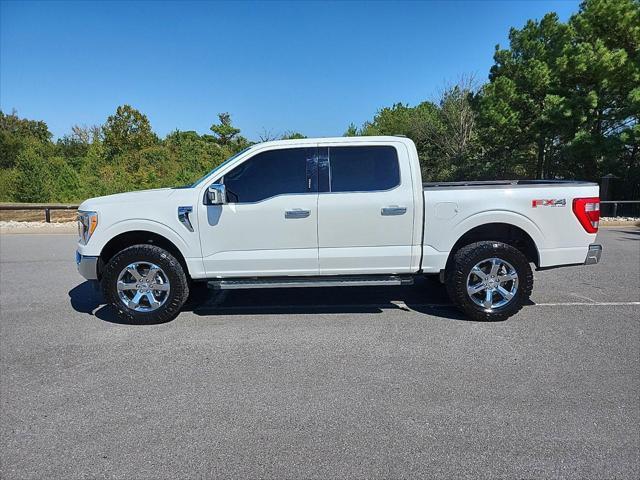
[(561, 101)]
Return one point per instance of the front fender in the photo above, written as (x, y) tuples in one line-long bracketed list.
[(102, 237)]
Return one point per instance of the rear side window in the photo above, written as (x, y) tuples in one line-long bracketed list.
[(363, 169), (271, 173)]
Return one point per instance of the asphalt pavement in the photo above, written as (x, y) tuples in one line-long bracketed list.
[(320, 383)]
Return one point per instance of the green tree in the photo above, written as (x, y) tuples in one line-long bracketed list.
[(14, 131), (65, 184), (509, 151), (33, 178), (7, 184), (224, 131), (24, 128), (195, 155), (351, 131), (453, 137), (600, 70), (525, 87), (127, 130), (292, 136), (562, 100), (94, 181), (73, 147)]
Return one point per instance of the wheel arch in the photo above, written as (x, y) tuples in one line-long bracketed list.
[(504, 232), (137, 237)]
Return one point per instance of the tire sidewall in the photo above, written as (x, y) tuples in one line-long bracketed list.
[(178, 291), (485, 251)]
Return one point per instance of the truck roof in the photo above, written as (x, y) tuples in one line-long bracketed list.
[(334, 140)]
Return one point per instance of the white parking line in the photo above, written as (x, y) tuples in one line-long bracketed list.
[(588, 304), (554, 304)]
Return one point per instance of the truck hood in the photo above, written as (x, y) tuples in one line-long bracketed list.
[(128, 198)]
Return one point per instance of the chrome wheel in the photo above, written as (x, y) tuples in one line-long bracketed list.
[(143, 286), (492, 283)]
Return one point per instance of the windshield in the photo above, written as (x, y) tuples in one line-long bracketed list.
[(233, 157)]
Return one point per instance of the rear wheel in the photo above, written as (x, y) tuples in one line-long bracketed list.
[(489, 280), (145, 284)]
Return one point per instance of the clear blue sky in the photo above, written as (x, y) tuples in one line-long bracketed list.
[(310, 67)]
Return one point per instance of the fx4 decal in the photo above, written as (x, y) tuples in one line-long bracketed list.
[(562, 202)]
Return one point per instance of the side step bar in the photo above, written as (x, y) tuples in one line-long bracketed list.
[(293, 282)]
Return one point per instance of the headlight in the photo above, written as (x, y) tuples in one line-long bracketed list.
[(87, 223)]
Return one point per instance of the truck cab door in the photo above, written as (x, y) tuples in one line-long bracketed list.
[(365, 210), (268, 227)]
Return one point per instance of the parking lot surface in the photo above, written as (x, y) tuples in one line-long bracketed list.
[(320, 383)]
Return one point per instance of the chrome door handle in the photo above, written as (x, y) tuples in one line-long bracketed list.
[(297, 213), (394, 210)]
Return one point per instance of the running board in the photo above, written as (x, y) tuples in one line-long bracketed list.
[(293, 282)]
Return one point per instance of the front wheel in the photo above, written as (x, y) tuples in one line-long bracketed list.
[(489, 280), (145, 284)]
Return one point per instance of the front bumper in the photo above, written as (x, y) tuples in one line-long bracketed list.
[(593, 254), (87, 266)]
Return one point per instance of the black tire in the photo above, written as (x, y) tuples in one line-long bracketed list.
[(179, 285), (470, 255)]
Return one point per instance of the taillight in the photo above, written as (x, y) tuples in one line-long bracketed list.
[(587, 211)]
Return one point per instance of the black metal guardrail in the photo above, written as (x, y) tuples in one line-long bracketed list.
[(613, 212), (60, 206), (38, 206)]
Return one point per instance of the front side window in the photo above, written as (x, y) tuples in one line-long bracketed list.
[(271, 173), (227, 161), (363, 169)]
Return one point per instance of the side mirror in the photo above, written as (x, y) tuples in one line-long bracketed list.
[(217, 194)]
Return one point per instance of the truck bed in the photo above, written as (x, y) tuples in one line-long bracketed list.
[(541, 209)]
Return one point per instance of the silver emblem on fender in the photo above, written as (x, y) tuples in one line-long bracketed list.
[(183, 216)]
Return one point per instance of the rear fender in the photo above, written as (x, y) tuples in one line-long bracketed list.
[(495, 216)]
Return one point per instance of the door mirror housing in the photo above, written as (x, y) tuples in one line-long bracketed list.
[(217, 194)]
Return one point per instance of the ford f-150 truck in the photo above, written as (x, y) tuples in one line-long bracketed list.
[(333, 212)]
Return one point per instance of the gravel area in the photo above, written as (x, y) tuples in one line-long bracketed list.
[(13, 226), (619, 221)]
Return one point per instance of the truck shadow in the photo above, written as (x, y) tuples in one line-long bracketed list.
[(426, 296)]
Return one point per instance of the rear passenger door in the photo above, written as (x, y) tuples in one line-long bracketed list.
[(365, 210)]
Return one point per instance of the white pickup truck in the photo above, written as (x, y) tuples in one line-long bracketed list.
[(333, 212)]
